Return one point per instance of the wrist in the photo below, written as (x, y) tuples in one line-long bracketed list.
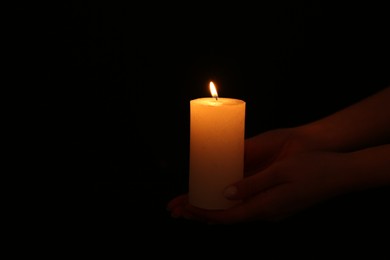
[(371, 166), (317, 137)]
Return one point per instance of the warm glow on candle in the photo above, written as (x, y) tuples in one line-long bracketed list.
[(213, 90), (217, 127)]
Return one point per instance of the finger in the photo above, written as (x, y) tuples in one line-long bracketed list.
[(228, 216), (273, 205), (253, 184), (179, 201), (260, 151), (180, 208)]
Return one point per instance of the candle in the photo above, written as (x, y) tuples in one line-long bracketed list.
[(216, 149)]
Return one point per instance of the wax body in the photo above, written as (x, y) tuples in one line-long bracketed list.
[(217, 128)]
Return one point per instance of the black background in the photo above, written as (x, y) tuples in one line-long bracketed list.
[(114, 110)]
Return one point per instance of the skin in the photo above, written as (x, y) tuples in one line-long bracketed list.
[(288, 170)]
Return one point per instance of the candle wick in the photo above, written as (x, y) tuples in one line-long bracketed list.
[(216, 97)]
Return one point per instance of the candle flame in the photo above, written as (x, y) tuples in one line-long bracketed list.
[(213, 90)]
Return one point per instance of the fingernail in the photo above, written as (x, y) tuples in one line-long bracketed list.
[(230, 192)]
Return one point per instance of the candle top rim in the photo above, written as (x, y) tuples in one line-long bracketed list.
[(219, 101)]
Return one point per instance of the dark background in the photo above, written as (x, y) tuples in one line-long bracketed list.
[(114, 110)]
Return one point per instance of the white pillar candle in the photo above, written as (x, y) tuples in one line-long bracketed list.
[(216, 149)]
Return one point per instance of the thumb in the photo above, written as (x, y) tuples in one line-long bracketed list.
[(252, 185)]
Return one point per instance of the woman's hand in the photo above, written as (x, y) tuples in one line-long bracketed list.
[(282, 189)]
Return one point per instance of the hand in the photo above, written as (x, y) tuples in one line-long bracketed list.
[(265, 149), (288, 170), (284, 188), (261, 151)]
